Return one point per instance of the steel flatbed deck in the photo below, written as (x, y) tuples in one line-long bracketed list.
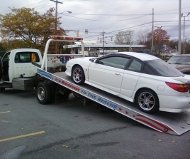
[(172, 123)]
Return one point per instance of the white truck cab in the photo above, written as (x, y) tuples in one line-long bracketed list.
[(17, 65)]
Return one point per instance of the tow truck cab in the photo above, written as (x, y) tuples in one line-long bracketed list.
[(16, 66)]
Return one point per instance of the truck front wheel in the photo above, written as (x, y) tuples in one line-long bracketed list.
[(2, 90), (44, 93)]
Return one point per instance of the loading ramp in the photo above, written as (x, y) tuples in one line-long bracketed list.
[(171, 123)]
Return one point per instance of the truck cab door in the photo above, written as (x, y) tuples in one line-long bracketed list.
[(23, 66), (5, 67)]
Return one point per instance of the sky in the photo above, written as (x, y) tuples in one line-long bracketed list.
[(111, 16)]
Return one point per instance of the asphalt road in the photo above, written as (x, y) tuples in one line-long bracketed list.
[(70, 130)]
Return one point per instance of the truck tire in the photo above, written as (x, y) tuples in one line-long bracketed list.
[(2, 90), (45, 93), (66, 94), (63, 92)]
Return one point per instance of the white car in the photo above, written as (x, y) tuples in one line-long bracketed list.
[(141, 78)]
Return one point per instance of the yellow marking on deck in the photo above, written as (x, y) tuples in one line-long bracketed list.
[(22, 136), (5, 112)]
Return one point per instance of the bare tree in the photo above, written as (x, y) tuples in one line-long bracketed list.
[(142, 37), (124, 37)]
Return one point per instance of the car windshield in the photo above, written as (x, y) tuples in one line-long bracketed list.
[(161, 68), (179, 60)]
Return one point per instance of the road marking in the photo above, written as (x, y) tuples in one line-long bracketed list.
[(5, 121), (22, 136), (5, 112)]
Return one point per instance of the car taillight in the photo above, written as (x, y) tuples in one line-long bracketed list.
[(179, 87)]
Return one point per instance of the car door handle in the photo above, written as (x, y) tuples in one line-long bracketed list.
[(118, 74)]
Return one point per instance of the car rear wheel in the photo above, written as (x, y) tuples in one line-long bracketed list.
[(147, 101), (78, 75)]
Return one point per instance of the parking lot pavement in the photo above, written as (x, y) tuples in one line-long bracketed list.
[(68, 129)]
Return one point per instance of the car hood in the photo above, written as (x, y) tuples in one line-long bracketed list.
[(182, 67)]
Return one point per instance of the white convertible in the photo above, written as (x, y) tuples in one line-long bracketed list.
[(141, 78)]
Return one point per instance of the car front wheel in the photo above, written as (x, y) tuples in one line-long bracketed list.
[(78, 75), (147, 101)]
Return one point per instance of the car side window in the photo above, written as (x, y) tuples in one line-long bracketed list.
[(135, 65), (149, 70), (115, 61)]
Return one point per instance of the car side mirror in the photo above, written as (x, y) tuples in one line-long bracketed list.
[(92, 60), (98, 61)]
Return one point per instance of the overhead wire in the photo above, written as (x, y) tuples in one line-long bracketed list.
[(80, 18), (119, 29), (170, 12)]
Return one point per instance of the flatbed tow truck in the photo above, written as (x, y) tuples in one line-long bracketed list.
[(51, 79)]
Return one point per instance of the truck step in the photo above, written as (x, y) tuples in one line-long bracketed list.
[(5, 85)]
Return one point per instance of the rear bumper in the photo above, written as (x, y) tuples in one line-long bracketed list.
[(174, 104)]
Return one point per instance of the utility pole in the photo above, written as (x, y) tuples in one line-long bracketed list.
[(56, 21), (103, 41), (152, 42), (56, 11), (184, 38), (179, 27)]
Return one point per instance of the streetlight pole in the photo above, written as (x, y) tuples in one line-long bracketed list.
[(179, 27)]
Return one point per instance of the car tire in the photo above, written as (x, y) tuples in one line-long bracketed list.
[(44, 93), (78, 75), (147, 100)]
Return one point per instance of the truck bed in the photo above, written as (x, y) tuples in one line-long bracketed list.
[(172, 123)]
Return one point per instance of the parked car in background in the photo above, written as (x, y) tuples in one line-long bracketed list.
[(181, 62), (144, 79)]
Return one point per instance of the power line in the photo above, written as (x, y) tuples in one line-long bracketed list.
[(120, 29), (130, 27), (139, 25), (112, 14), (80, 18), (125, 15), (132, 18)]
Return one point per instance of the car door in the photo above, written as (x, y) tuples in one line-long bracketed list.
[(130, 78), (107, 73)]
